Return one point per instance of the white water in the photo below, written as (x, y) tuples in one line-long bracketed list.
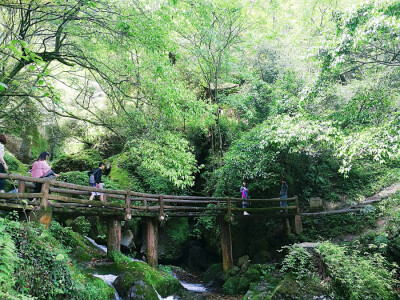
[(109, 279), (193, 287), (101, 247)]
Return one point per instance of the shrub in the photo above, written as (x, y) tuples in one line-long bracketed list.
[(82, 161), (356, 276)]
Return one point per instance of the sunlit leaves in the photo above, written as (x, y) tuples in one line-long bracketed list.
[(165, 154)]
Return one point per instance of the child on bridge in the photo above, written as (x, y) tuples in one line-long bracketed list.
[(96, 182)]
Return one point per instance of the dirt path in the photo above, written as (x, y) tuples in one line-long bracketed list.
[(381, 222), (385, 193)]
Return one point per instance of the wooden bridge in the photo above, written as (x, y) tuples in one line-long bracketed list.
[(63, 198)]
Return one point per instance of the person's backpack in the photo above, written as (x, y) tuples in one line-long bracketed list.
[(92, 180)]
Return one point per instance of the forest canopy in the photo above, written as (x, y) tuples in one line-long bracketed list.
[(206, 93)]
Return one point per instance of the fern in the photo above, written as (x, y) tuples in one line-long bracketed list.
[(8, 259)]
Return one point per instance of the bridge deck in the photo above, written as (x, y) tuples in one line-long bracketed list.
[(72, 199)]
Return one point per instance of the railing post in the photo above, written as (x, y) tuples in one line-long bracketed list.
[(128, 215), (44, 214), (21, 186), (229, 210), (161, 204), (298, 226), (45, 198)]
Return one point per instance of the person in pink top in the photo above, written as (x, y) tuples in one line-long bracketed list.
[(41, 169)]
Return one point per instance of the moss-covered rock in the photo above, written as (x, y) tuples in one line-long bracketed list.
[(231, 286), (82, 161), (14, 167), (131, 287), (214, 275), (165, 284), (308, 288)]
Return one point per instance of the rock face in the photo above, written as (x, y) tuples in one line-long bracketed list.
[(127, 239), (315, 203), (20, 147)]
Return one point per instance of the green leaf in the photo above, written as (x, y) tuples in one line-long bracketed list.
[(3, 86)]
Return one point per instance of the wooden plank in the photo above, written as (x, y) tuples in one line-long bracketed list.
[(14, 206), (23, 178), (88, 202), (20, 195), (332, 212), (84, 211), (191, 201), (86, 188), (262, 209)]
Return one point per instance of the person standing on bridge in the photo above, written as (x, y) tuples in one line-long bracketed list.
[(41, 169), (3, 164), (97, 173), (283, 194), (245, 195)]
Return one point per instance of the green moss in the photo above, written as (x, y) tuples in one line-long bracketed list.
[(14, 165), (231, 286), (82, 161), (119, 173), (307, 288), (80, 248)]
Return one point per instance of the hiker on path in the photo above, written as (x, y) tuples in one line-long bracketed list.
[(97, 173), (3, 164), (41, 169), (283, 194), (245, 195)]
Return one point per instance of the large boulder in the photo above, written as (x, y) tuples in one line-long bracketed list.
[(131, 287), (142, 281)]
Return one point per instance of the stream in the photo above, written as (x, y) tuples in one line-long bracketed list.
[(110, 272)]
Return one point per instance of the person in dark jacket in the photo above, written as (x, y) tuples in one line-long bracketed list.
[(283, 194), (97, 181)]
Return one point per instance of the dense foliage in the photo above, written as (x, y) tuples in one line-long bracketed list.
[(194, 97)]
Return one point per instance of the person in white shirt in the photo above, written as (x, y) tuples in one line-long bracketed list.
[(3, 164)]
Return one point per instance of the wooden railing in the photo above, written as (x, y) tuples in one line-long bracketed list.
[(67, 198)]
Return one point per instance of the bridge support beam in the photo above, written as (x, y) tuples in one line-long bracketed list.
[(298, 226), (226, 244), (113, 236), (152, 241)]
